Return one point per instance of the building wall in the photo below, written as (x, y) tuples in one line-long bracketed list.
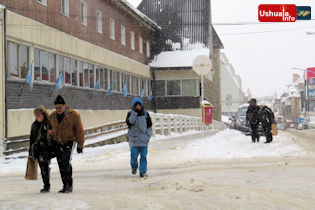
[(230, 84), (191, 112), (51, 16), (213, 88), (2, 83), (180, 18), (96, 107)]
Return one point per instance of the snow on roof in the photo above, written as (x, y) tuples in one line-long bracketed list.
[(139, 13), (178, 58)]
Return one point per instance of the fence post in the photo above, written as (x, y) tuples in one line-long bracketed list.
[(162, 124), (169, 126), (153, 118)]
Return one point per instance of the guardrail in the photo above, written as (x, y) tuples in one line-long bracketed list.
[(163, 124)]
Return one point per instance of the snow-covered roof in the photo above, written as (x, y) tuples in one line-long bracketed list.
[(169, 59), (139, 13)]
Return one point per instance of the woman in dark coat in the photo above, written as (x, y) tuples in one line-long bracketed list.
[(38, 144)]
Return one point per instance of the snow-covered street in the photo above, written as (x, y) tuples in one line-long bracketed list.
[(205, 171)]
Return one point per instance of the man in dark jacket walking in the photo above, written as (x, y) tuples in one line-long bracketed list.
[(252, 118), (139, 133), (266, 117), (65, 129)]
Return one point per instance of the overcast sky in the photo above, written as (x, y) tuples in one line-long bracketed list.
[(264, 59)]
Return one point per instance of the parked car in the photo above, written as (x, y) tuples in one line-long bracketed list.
[(306, 122), (311, 123), (281, 127), (300, 126), (238, 122)]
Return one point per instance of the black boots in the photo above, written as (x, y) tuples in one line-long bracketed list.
[(67, 189), (46, 189)]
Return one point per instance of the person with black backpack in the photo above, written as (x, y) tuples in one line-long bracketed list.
[(252, 119), (266, 117), (139, 133)]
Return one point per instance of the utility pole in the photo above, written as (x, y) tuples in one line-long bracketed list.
[(210, 36)]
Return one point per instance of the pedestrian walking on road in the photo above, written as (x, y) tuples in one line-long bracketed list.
[(266, 117), (252, 119), (139, 133), (39, 146), (66, 130)]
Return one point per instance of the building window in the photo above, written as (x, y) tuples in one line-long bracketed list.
[(106, 78), (67, 70), (80, 72), (101, 76), (36, 65), (173, 87), (126, 80), (42, 2), (140, 45), (91, 68), (132, 40), (52, 67), (148, 48), (160, 87), (74, 72), (143, 86), (18, 60), (115, 80), (86, 75), (99, 25), (112, 29), (135, 85), (189, 87), (44, 65), (65, 7), (123, 35), (83, 12)]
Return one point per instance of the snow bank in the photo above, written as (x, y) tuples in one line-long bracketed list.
[(230, 144)]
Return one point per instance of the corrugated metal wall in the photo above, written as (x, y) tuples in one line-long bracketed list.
[(180, 18)]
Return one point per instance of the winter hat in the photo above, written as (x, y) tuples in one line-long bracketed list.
[(253, 100), (59, 100)]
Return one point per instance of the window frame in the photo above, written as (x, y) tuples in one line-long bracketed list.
[(99, 21), (83, 17), (148, 50), (112, 29), (123, 35), (65, 4), (132, 40), (42, 2), (140, 45)]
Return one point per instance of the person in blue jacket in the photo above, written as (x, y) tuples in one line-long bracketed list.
[(139, 133)]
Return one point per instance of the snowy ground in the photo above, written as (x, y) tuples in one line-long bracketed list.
[(216, 170), (225, 144)]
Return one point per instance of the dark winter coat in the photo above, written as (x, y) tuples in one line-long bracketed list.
[(266, 116), (40, 147), (70, 128), (252, 114), (140, 126)]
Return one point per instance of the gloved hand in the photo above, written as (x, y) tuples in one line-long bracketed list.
[(49, 142), (79, 150)]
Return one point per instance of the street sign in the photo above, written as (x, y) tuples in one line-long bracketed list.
[(203, 65)]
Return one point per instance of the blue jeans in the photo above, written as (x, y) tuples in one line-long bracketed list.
[(134, 153)]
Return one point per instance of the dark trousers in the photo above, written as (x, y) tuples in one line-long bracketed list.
[(64, 154), (254, 128), (268, 132), (44, 170)]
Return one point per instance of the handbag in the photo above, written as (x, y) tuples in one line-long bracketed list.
[(32, 163), (31, 169)]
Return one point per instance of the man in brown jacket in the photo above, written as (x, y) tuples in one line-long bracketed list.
[(64, 130)]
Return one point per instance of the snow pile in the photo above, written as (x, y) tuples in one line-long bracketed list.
[(229, 144), (178, 58)]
